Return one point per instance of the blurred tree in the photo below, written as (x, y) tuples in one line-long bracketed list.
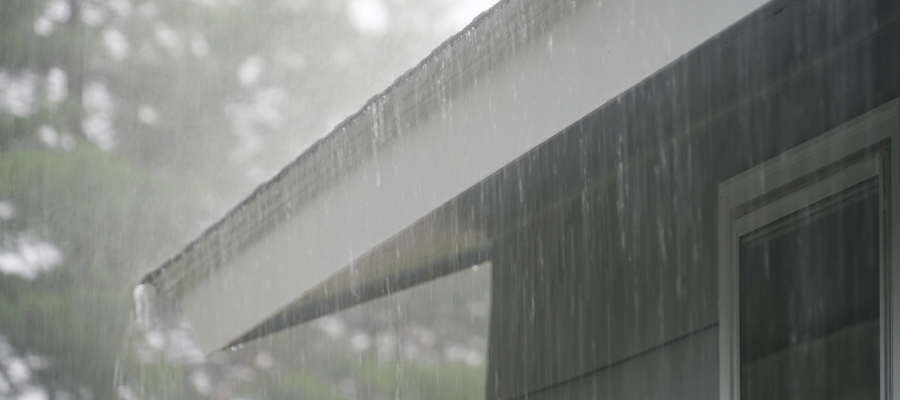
[(126, 127)]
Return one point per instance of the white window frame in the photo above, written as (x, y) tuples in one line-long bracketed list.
[(864, 147)]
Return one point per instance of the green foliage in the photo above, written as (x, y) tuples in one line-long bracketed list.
[(16, 18), (86, 202), (114, 214), (64, 194), (402, 380)]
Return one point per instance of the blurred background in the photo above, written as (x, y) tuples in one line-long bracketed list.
[(129, 126)]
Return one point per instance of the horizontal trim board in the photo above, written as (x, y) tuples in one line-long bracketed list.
[(537, 90)]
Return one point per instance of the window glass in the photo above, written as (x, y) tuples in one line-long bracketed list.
[(809, 301)]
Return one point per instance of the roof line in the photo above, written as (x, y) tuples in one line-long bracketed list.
[(409, 80)]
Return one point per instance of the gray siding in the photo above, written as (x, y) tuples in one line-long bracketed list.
[(574, 292), (605, 236), (684, 369)]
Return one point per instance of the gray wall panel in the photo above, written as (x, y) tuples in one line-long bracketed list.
[(605, 236), (684, 369), (573, 291)]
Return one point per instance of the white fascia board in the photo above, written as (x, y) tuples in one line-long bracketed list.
[(555, 76)]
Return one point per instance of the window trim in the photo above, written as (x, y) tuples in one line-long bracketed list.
[(747, 201)]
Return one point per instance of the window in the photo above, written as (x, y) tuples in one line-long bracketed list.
[(805, 282)]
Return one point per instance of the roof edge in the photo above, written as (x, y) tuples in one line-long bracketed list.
[(451, 67)]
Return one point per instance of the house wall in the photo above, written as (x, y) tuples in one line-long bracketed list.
[(605, 259), (686, 369)]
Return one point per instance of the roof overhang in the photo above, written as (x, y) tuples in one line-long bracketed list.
[(377, 205)]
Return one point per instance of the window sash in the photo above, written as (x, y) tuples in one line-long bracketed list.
[(744, 207)]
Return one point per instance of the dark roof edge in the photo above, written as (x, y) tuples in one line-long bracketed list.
[(486, 41)]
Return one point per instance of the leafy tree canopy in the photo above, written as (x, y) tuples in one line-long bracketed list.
[(127, 127)]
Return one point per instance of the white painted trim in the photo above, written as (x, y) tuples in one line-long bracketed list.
[(831, 185), (864, 132), (892, 273), (553, 74)]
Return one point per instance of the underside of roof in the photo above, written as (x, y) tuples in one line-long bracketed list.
[(393, 197)]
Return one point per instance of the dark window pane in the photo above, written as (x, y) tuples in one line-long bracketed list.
[(809, 301)]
